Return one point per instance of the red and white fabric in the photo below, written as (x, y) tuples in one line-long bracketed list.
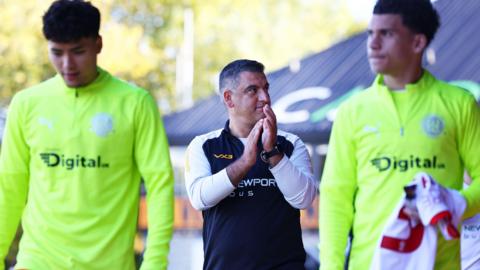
[(409, 242)]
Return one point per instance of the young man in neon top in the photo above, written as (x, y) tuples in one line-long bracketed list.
[(406, 122), (74, 151)]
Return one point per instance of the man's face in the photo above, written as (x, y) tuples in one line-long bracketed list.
[(249, 97), (390, 45), (76, 61)]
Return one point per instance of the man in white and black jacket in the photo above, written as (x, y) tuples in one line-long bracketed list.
[(250, 180)]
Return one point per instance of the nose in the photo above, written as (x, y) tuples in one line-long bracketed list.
[(373, 41), (67, 62), (264, 96)]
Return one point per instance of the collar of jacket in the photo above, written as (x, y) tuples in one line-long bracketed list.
[(422, 85), (226, 130), (96, 85)]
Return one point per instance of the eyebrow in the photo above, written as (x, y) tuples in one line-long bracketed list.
[(250, 86), (266, 86), (79, 47), (382, 29)]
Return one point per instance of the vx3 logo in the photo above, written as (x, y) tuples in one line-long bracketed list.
[(223, 156)]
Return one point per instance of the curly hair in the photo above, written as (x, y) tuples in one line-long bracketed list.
[(71, 20)]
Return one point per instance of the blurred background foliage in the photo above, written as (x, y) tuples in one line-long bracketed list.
[(143, 39)]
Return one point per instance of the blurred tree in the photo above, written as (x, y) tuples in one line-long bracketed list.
[(277, 33), (142, 39), (139, 36), (128, 28), (22, 61)]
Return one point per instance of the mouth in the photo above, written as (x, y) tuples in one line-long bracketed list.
[(70, 76), (376, 57), (260, 107)]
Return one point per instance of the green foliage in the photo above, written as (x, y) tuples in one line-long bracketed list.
[(22, 61), (142, 38), (270, 31)]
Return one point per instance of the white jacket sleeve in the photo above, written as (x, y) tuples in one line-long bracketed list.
[(204, 189), (294, 177)]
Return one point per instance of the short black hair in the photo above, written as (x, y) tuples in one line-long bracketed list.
[(229, 74), (71, 20), (417, 15)]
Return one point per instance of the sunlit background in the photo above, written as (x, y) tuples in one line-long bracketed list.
[(175, 49)]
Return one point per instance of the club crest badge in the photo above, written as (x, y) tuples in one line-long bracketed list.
[(102, 124), (433, 125)]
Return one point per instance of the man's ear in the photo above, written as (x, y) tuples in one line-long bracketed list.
[(99, 44), (227, 98), (419, 43)]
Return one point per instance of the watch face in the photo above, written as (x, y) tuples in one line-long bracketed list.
[(266, 155), (263, 156)]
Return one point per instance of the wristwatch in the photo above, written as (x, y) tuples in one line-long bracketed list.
[(264, 155)]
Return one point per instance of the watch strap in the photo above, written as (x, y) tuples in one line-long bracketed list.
[(264, 155)]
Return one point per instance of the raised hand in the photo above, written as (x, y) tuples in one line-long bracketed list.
[(250, 152), (238, 169), (269, 135)]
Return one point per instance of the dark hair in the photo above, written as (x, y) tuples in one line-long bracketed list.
[(229, 74), (417, 15), (71, 20)]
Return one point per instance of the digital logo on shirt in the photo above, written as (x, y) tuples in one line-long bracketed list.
[(223, 156), (433, 125), (403, 165), (70, 163)]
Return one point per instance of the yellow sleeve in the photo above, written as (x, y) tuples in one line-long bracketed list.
[(337, 190), (469, 148), (153, 161), (14, 173)]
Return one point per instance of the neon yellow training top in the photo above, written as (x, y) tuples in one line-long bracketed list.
[(70, 168), (377, 145)]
